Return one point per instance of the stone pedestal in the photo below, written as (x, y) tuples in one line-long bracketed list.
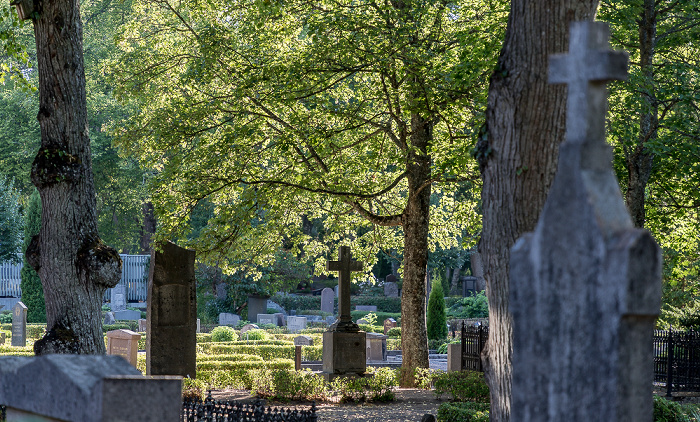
[(344, 354), (454, 357)]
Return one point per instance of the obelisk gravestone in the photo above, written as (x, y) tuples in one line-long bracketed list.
[(19, 325), (344, 350), (586, 285)]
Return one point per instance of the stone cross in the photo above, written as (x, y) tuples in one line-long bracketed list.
[(345, 265), (585, 69), (585, 286)]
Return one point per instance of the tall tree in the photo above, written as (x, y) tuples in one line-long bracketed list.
[(355, 109), (32, 292), (517, 153), (74, 265), (10, 222)]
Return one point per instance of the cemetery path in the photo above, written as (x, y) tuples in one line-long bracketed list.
[(410, 405)]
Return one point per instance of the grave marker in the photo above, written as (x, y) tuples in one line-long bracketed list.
[(109, 318), (296, 324), (123, 343), (327, 300), (229, 319), (127, 315), (370, 308), (256, 305), (118, 298), (585, 285), (303, 341), (19, 325), (389, 323), (344, 344), (143, 325), (267, 319), (247, 328), (2, 339), (171, 344), (391, 289)]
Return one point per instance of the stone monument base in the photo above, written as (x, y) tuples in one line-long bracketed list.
[(344, 354)]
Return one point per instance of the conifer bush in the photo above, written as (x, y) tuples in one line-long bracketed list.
[(437, 319)]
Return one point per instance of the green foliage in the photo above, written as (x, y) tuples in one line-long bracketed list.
[(256, 335), (6, 317), (671, 411), (11, 223), (371, 318), (381, 316), (463, 412), (473, 306), (462, 386), (394, 332), (290, 385), (443, 347), (32, 290), (436, 317), (238, 374), (376, 388), (223, 333)]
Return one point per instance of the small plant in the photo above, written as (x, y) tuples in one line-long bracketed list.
[(463, 412), (371, 318), (462, 386), (6, 317), (394, 332), (223, 333), (256, 335), (670, 411)]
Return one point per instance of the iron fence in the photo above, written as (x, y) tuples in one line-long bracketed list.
[(194, 410), (677, 360), (10, 278), (473, 342)]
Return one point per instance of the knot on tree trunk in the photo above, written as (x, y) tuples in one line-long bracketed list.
[(100, 262), (53, 165), (59, 339), (33, 253)]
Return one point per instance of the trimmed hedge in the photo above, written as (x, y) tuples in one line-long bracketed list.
[(240, 374), (227, 358), (463, 412), (266, 351), (6, 350), (462, 386)]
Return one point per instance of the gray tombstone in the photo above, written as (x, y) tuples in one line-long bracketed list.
[(336, 290), (127, 315), (2, 339), (303, 341), (118, 298), (296, 324), (370, 308), (376, 346), (267, 319), (585, 285), (247, 328), (327, 300), (199, 326), (171, 344), (143, 325), (344, 344), (391, 289), (86, 388), (19, 325), (229, 319), (256, 305), (279, 319), (109, 318)]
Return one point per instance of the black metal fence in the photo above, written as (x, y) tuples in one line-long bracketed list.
[(229, 411), (473, 342), (677, 360)]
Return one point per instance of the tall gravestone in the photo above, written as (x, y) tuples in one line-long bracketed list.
[(586, 285), (171, 341), (344, 344), (19, 325), (256, 305), (327, 300), (118, 298)]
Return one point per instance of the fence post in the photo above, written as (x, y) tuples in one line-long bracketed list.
[(297, 358), (669, 363), (463, 349), (480, 346)]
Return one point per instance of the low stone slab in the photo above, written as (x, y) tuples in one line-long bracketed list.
[(370, 308), (229, 319), (127, 315), (303, 341)]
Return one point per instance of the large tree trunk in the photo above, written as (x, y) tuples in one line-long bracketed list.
[(517, 153), (414, 338), (74, 265), (639, 161), (147, 228)]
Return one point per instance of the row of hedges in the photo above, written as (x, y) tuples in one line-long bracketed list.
[(266, 351)]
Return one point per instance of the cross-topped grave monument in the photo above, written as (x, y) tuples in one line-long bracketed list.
[(586, 285), (345, 265), (344, 344)]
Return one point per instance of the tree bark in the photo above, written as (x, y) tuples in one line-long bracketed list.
[(74, 265), (454, 283), (639, 161), (517, 154), (147, 228), (415, 218)]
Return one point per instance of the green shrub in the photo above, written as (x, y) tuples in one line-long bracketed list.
[(371, 328), (381, 316), (290, 385), (376, 388), (224, 358), (32, 290), (256, 335), (670, 411), (463, 412), (393, 344), (474, 306), (242, 374), (204, 338), (442, 349), (223, 333), (462, 386), (6, 317), (35, 331), (394, 332), (436, 317)]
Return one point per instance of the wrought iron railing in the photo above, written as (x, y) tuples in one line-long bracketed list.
[(231, 411), (677, 360), (473, 342)]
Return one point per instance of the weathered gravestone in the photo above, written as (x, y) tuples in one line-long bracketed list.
[(267, 319), (109, 318), (389, 323), (19, 325), (118, 297), (124, 343), (247, 328), (229, 319), (391, 289), (327, 300), (585, 286), (376, 346), (143, 325), (303, 341), (86, 388), (127, 315), (344, 344), (171, 344), (256, 305)]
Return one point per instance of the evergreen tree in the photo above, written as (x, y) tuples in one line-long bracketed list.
[(10, 222), (437, 320), (32, 292)]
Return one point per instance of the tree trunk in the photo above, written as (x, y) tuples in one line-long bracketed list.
[(147, 228), (454, 284), (640, 160), (74, 265), (517, 154), (415, 218)]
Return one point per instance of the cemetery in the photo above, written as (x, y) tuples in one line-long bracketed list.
[(373, 211)]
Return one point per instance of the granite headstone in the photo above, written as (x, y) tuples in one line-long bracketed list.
[(19, 325)]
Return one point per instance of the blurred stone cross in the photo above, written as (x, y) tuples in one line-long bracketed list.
[(344, 265), (585, 286)]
